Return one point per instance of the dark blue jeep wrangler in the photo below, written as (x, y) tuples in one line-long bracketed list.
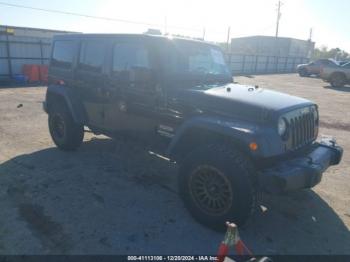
[(229, 140)]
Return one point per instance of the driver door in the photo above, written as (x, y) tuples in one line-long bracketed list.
[(314, 68)]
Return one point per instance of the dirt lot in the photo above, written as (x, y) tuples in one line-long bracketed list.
[(113, 197)]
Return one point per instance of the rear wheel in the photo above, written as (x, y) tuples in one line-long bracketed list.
[(65, 133), (216, 184), (338, 80)]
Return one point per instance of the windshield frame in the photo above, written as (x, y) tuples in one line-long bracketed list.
[(179, 53)]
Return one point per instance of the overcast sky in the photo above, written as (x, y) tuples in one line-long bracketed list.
[(328, 18)]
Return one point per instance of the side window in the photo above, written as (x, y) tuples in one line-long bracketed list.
[(131, 61), (327, 63), (63, 53), (92, 54)]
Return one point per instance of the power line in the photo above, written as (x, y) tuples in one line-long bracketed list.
[(111, 19)]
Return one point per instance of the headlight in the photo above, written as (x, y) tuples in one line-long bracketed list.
[(315, 113), (282, 127)]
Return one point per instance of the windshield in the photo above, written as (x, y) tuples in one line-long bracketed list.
[(346, 65), (200, 59)]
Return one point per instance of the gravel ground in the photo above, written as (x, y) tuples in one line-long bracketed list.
[(114, 197)]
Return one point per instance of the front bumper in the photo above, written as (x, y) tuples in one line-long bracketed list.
[(301, 172)]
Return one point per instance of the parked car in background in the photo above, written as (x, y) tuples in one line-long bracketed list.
[(336, 76), (343, 62), (314, 68)]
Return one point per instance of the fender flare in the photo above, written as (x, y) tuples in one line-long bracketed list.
[(241, 132), (74, 104)]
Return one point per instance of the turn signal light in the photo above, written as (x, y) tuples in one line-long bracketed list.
[(253, 146)]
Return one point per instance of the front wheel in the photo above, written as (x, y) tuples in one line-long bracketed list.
[(338, 80), (65, 133), (216, 184), (303, 72)]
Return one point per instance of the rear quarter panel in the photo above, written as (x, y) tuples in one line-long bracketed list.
[(326, 73)]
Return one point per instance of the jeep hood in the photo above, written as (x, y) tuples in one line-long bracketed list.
[(242, 101)]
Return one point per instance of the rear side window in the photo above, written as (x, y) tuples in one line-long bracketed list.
[(327, 62), (92, 54), (63, 53), (130, 57)]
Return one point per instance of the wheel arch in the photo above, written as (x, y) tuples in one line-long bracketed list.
[(338, 73), (201, 131), (61, 95)]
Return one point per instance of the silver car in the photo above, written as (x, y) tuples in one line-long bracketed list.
[(336, 76), (315, 67)]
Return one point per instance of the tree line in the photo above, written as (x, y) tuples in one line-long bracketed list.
[(324, 52)]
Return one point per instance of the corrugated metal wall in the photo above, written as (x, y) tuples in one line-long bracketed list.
[(15, 51), (259, 64), (20, 45), (272, 46), (266, 54)]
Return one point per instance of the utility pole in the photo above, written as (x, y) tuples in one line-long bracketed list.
[(278, 16), (165, 25), (311, 45), (203, 33), (228, 39), (310, 35)]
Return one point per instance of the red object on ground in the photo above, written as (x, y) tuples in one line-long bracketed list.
[(223, 252), (32, 72), (44, 73), (232, 239), (241, 249)]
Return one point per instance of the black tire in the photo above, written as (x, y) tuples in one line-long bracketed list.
[(303, 72), (234, 175), (66, 134), (338, 80)]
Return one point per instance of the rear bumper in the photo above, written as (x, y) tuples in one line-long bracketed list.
[(302, 172)]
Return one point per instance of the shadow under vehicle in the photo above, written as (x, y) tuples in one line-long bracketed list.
[(114, 197)]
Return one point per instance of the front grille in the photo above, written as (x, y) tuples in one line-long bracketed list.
[(303, 129)]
